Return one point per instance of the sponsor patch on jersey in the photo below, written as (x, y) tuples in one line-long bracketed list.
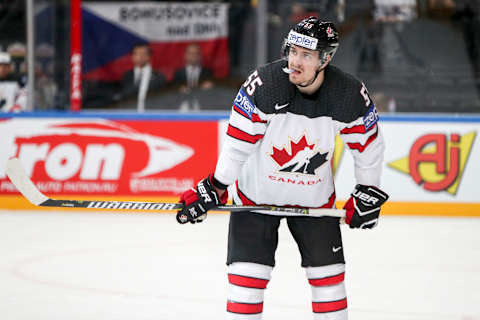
[(244, 104), (302, 40), (370, 118)]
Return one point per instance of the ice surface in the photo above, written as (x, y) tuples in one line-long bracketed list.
[(90, 265)]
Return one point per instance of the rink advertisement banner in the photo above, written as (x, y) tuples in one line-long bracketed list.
[(107, 157), (424, 161), (110, 31), (429, 167)]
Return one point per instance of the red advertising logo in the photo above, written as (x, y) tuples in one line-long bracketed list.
[(437, 161), (109, 157)]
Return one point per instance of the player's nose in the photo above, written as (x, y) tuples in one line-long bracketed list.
[(300, 61), (295, 63)]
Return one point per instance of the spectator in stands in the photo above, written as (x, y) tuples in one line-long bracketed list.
[(193, 74), (18, 52), (368, 41), (192, 77), (142, 79), (12, 97), (468, 14), (395, 11), (300, 12), (46, 88), (441, 9)]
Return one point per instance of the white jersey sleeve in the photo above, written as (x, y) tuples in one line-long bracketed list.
[(365, 141), (246, 127), (12, 96)]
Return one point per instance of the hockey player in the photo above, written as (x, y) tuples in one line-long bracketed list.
[(280, 140), (13, 97)]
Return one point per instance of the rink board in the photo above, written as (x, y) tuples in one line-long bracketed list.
[(431, 164)]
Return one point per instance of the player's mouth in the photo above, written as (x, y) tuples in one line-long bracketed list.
[(295, 71)]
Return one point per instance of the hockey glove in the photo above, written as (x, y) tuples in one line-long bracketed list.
[(198, 202), (363, 207)]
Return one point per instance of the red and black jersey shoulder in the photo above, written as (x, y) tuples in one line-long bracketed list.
[(341, 96), (272, 87), (347, 97)]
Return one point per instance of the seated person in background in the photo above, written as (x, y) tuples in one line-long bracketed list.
[(298, 12), (193, 74), (18, 52), (192, 77), (142, 78), (13, 97)]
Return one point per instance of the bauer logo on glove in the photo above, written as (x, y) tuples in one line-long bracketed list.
[(198, 201), (363, 207), (203, 192), (365, 197)]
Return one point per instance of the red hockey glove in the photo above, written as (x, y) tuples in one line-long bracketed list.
[(363, 207), (198, 202)]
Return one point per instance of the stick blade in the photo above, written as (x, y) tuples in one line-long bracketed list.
[(22, 182)]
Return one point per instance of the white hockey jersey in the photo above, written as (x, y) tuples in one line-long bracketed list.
[(280, 142), (13, 98)]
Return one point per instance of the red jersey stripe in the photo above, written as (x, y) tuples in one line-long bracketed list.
[(245, 201), (244, 308), (240, 111), (331, 201), (354, 129), (241, 135), (330, 306), (327, 281), (254, 118), (248, 282), (359, 146)]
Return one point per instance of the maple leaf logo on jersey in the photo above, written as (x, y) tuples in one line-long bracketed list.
[(302, 157)]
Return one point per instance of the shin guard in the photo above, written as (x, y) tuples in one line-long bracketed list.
[(329, 297), (246, 285)]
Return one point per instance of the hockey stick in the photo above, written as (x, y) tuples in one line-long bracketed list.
[(24, 184)]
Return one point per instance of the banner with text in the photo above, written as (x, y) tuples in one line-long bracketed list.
[(430, 167), (111, 30), (109, 157)]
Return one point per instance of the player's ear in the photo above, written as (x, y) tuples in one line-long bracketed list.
[(327, 61)]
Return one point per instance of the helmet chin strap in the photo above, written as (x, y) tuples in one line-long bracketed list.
[(311, 81)]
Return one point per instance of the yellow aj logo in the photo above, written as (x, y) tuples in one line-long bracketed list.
[(337, 154), (437, 161)]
